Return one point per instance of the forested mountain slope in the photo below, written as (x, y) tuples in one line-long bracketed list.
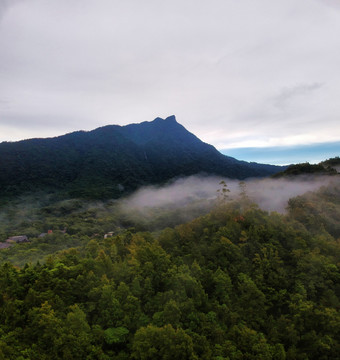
[(236, 283), (112, 160)]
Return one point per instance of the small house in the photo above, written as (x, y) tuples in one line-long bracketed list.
[(17, 239)]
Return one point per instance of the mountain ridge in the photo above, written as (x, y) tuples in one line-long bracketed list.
[(101, 162)]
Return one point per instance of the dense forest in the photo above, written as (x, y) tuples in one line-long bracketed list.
[(228, 281)]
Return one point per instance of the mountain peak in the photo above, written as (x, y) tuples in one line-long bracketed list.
[(171, 118)]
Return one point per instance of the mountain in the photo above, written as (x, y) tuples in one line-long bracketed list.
[(112, 160)]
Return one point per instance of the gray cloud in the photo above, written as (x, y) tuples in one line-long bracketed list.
[(4, 4), (287, 94), (220, 66)]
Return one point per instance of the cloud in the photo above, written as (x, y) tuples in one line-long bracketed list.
[(6, 5), (230, 70), (335, 4), (287, 95)]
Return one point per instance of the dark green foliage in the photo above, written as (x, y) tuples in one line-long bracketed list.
[(324, 168), (236, 283), (115, 335), (332, 162), (319, 210)]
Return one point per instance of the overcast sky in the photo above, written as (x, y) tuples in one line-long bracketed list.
[(236, 73)]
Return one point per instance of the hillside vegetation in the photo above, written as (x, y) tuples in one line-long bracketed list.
[(327, 167), (235, 283)]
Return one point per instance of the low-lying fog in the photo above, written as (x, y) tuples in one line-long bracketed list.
[(269, 194), (151, 208)]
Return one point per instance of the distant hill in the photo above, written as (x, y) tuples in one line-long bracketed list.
[(112, 160), (333, 163), (327, 167)]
